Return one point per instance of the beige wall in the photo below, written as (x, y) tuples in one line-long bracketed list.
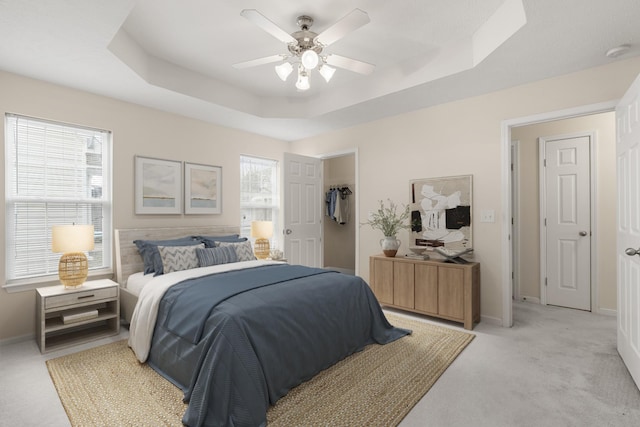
[(458, 138), (452, 139), (340, 240), (136, 131), (603, 127)]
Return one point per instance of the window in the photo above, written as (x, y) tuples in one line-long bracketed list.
[(55, 174), (259, 197)]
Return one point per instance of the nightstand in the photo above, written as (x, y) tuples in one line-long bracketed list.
[(66, 317)]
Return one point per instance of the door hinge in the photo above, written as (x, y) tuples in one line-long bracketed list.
[(545, 281), (544, 163), (545, 222)]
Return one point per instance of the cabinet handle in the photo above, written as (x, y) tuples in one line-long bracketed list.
[(86, 296)]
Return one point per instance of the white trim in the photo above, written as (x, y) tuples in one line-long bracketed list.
[(535, 300), (21, 338), (542, 228), (515, 218), (491, 320), (505, 162), (356, 197), (607, 312)]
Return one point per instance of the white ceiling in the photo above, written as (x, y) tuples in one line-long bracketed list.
[(177, 55)]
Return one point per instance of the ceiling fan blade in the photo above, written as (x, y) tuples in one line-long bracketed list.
[(350, 64), (259, 61), (261, 21), (351, 22)]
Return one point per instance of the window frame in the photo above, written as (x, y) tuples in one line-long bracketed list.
[(29, 282), (274, 206)]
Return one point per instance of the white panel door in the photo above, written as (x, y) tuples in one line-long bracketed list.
[(628, 228), (303, 210), (568, 219)]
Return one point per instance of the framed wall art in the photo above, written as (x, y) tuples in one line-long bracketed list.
[(202, 189), (158, 186), (441, 212)]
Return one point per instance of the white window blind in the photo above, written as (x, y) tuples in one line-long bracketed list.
[(55, 174), (259, 196)]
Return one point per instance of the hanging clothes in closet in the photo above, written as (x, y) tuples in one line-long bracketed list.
[(338, 204)]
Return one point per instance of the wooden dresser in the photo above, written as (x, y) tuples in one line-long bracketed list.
[(435, 288)]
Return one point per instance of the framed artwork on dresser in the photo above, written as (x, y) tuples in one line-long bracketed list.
[(441, 210)]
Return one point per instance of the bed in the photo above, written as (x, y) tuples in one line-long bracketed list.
[(237, 336)]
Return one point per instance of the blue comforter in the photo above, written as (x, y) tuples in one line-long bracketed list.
[(261, 332)]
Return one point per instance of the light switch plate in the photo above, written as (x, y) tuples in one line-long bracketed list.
[(488, 215)]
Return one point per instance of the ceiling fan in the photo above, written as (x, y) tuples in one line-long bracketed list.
[(306, 47)]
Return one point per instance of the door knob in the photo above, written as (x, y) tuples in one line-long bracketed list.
[(583, 233), (288, 231), (632, 252)]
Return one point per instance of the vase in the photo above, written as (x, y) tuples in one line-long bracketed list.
[(390, 245)]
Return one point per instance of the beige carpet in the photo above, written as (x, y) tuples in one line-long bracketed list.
[(106, 386)]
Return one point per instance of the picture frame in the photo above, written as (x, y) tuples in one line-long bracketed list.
[(202, 189), (158, 186), (441, 213)]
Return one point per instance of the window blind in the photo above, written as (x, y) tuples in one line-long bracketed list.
[(55, 174), (259, 196)]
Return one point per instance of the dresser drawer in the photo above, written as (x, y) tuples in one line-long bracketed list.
[(80, 297)]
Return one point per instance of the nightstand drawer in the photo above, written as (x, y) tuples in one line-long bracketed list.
[(80, 297)]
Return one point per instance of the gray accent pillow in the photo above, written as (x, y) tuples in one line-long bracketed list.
[(244, 251), (215, 256), (177, 258), (148, 250), (213, 241)]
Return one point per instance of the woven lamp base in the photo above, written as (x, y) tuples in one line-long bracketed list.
[(73, 269), (261, 248)]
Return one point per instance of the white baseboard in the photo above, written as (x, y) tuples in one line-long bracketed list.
[(14, 340), (603, 311), (491, 320), (607, 312)]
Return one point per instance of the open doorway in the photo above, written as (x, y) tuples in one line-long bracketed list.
[(529, 249), (340, 227)]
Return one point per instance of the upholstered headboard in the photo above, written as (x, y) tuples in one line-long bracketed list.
[(128, 260)]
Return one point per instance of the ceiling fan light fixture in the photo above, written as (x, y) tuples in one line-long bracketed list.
[(309, 59), (326, 72), (303, 81), (284, 70), (306, 46)]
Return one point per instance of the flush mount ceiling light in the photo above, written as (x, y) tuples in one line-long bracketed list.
[(305, 47)]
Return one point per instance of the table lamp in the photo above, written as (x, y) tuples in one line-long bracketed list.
[(262, 231), (72, 241)]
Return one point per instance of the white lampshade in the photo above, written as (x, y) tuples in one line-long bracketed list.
[(326, 72), (303, 81), (309, 59), (261, 229), (72, 238), (283, 70)]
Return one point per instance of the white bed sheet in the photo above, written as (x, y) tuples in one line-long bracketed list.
[(137, 281)]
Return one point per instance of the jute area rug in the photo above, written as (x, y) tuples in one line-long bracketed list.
[(106, 386)]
